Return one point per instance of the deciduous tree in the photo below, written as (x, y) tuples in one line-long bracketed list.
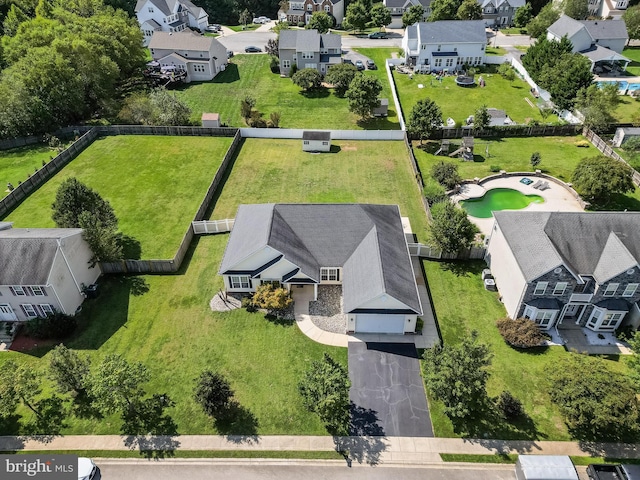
[(425, 117), (481, 118), (469, 10), (380, 15), (169, 109), (307, 79), (68, 369), (446, 173), (597, 178), (363, 95), (576, 9), (631, 18), (537, 27), (320, 21), (213, 393), (535, 159), (340, 76), (523, 15), (117, 385), (444, 10), (414, 14), (19, 383), (597, 105), (450, 229), (357, 16)]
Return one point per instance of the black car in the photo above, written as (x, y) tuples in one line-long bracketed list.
[(371, 65), (347, 61), (252, 49)]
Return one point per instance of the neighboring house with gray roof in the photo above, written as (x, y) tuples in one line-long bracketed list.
[(446, 45), (567, 267), (608, 8), (169, 16), (300, 11), (499, 12), (43, 270), (308, 49), (359, 246), (398, 7)]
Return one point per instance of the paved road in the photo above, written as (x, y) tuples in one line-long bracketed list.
[(285, 470)]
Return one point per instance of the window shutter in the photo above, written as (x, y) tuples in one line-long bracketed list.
[(24, 310), (12, 291), (44, 291), (28, 291)]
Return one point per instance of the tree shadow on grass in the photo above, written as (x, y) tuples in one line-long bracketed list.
[(131, 248), (281, 321), (315, 93), (463, 268), (238, 424), (50, 423), (617, 202)]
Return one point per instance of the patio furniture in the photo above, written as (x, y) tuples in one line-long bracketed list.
[(526, 181), (544, 186), (537, 184)]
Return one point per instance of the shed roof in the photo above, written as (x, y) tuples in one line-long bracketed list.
[(316, 135)]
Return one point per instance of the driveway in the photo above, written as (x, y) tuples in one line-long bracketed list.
[(387, 392)]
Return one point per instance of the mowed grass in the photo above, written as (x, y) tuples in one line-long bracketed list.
[(249, 75), (17, 163), (633, 54), (459, 102), (172, 331), (626, 109), (155, 185), (278, 171)]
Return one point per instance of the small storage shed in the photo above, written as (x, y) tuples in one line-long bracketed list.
[(211, 120), (315, 141), (545, 467), (383, 109), (623, 134)]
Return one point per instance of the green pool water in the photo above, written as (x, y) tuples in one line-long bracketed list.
[(498, 199)]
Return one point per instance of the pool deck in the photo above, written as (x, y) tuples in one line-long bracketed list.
[(556, 197)]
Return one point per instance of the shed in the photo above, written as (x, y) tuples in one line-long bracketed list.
[(211, 120), (545, 467), (383, 109), (316, 141), (623, 134)]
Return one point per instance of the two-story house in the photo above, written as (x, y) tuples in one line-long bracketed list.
[(608, 8), (300, 11), (169, 16), (308, 49), (500, 12), (202, 58), (43, 270), (561, 267), (601, 41), (398, 7), (302, 247), (446, 45)]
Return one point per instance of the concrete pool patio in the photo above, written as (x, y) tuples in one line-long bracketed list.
[(559, 197)]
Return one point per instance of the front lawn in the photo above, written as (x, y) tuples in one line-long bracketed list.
[(460, 102), (16, 164), (244, 28), (155, 185), (172, 331), (379, 56), (251, 75), (279, 171), (495, 51)]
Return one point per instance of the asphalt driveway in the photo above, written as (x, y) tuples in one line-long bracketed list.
[(387, 392)]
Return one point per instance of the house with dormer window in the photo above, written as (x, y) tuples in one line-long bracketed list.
[(567, 267), (300, 11), (500, 12), (169, 16), (308, 49)]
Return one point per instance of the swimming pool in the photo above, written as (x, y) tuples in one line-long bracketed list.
[(498, 199)]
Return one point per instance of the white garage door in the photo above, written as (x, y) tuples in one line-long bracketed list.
[(375, 323)]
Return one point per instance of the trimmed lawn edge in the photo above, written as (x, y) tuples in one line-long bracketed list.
[(513, 458), (287, 454)]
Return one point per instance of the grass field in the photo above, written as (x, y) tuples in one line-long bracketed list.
[(155, 185), (172, 331), (458, 102), (279, 171), (495, 51), (627, 107), (633, 53), (17, 163), (250, 75)]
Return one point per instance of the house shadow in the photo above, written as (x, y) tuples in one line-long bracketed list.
[(366, 440)]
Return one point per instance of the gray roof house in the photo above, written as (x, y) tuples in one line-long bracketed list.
[(567, 267), (499, 12), (43, 270), (308, 49), (358, 246), (398, 7), (169, 16)]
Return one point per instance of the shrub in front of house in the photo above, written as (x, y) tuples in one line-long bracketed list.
[(520, 333), (54, 326), (247, 303)]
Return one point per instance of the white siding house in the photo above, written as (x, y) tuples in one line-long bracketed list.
[(169, 16)]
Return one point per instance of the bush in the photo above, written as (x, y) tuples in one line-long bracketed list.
[(274, 64), (582, 143), (213, 393), (247, 303), (509, 406), (419, 325), (520, 333), (446, 173), (302, 24), (433, 192), (495, 168), (57, 325)]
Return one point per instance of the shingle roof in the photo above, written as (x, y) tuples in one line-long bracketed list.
[(316, 135), (598, 53), (601, 29), (185, 40), (165, 6), (27, 255), (565, 26), (452, 31), (308, 40), (366, 240), (330, 40)]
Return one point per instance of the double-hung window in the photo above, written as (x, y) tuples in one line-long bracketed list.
[(29, 310), (541, 287), (560, 288), (329, 274), (46, 309), (611, 289), (630, 290), (239, 281)]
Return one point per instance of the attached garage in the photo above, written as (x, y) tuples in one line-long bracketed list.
[(379, 323)]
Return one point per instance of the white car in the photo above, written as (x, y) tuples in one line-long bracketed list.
[(87, 470)]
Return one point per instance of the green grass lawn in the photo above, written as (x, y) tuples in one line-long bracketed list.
[(279, 171), (633, 53), (244, 28), (495, 51), (514, 31), (250, 75), (458, 102), (172, 331), (155, 185), (17, 163), (627, 107), (379, 56)]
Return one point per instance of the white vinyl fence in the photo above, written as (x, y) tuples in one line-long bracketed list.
[(296, 133), (203, 227)]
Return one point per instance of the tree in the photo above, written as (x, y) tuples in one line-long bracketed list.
[(15, 17), (481, 119), (521, 332), (68, 370), (450, 229), (537, 27), (213, 393), (19, 383), (320, 21), (341, 76), (137, 109), (634, 360), (457, 375), (414, 14), (444, 10), (116, 385), (244, 17), (307, 79), (631, 18), (563, 80), (357, 16), (597, 105), (246, 107), (169, 110), (425, 117), (596, 403), (363, 95), (469, 10), (272, 47), (446, 174), (576, 9), (523, 15), (597, 178), (535, 159), (544, 53), (380, 15), (507, 72), (325, 391)]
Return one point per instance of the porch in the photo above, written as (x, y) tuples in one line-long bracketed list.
[(582, 340)]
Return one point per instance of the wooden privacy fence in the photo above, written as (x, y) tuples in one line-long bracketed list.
[(202, 227), (606, 149), (427, 251), (505, 131)]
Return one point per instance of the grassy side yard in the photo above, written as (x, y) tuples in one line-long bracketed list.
[(459, 102), (379, 56), (279, 171), (155, 185), (172, 331), (633, 53), (250, 75), (17, 163), (627, 107)]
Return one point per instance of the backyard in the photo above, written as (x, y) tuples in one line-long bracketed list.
[(356, 171), (250, 75), (155, 185), (633, 53), (165, 323), (17, 163)]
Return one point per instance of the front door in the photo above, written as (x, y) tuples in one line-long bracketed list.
[(594, 319), (6, 313)]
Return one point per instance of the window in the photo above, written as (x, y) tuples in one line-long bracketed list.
[(29, 310), (18, 291), (286, 63), (438, 62), (327, 8), (325, 143), (560, 288), (329, 274), (544, 318), (630, 290), (541, 287), (150, 9), (46, 309), (610, 291), (307, 55), (305, 142), (611, 320), (309, 8), (239, 281), (449, 62), (439, 47)]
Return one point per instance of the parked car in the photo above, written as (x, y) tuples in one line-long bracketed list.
[(87, 470), (613, 471), (359, 65), (252, 49), (213, 28), (261, 20), (371, 65), (229, 53), (375, 35), (347, 60)]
